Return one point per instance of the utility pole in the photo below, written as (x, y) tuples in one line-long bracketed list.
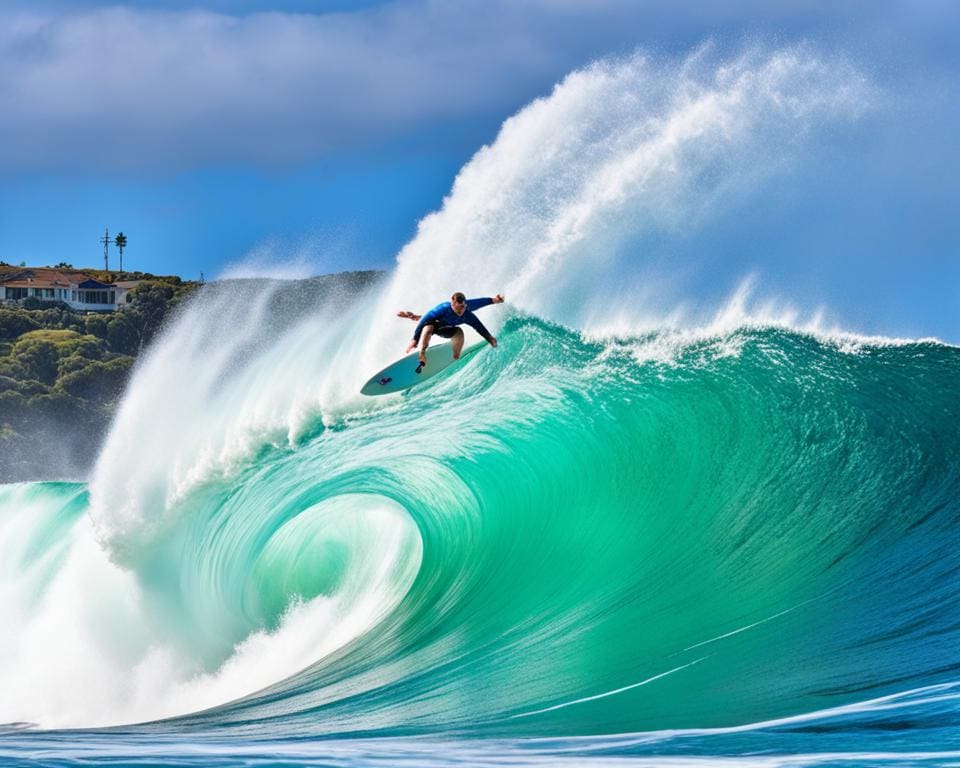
[(106, 249)]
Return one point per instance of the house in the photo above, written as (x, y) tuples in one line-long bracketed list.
[(72, 287), (124, 287)]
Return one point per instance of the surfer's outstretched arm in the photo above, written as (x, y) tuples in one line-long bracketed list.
[(474, 322), (408, 315), (475, 304)]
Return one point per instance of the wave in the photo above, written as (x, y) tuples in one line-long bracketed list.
[(563, 536)]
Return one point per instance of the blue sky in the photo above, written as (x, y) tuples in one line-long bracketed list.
[(312, 136)]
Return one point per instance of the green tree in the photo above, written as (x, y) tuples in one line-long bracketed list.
[(98, 380), (39, 358), (151, 301), (121, 243), (15, 322), (36, 355), (96, 324), (59, 316), (123, 334), (10, 366)]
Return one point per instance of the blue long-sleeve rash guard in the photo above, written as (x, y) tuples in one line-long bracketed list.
[(443, 315)]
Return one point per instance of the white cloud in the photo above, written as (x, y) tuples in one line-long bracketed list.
[(123, 89), (91, 86)]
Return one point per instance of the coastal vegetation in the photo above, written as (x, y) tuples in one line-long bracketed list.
[(62, 373)]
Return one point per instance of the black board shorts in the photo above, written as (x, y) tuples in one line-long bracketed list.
[(445, 331)]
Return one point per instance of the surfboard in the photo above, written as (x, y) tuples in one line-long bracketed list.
[(403, 374)]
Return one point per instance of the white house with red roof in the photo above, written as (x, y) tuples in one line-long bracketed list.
[(72, 287)]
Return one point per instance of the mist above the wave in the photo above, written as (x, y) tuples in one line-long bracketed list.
[(557, 211)]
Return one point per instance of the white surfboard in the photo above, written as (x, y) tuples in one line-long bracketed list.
[(403, 373)]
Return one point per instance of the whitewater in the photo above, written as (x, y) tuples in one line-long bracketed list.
[(641, 530)]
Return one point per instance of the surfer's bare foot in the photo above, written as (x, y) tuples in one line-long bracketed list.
[(423, 359), (410, 346)]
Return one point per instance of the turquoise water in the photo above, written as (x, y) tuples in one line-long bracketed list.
[(564, 538)]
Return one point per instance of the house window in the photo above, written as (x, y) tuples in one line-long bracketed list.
[(17, 293)]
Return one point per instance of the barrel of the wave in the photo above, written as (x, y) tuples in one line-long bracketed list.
[(653, 532)]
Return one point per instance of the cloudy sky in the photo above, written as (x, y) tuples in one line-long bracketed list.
[(313, 135)]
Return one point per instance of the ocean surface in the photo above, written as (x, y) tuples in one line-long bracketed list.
[(627, 539)]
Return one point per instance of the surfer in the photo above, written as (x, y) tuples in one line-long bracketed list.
[(443, 319)]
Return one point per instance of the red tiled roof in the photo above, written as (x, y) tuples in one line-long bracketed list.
[(43, 277)]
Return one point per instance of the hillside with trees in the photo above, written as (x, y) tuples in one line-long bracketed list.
[(62, 373)]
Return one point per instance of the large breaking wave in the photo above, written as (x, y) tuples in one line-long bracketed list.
[(565, 536), (678, 525)]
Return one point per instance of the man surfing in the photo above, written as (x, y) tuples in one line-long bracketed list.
[(442, 321)]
